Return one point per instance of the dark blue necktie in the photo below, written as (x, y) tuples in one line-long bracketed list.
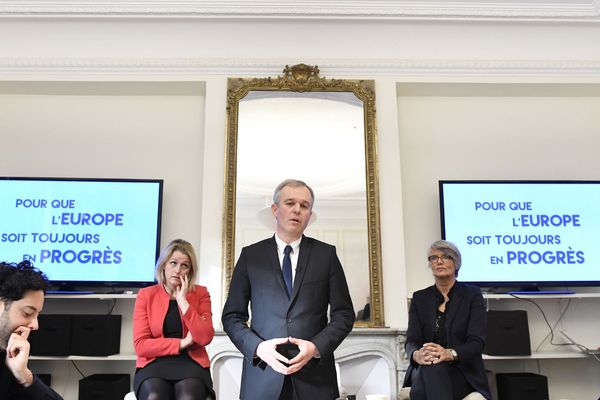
[(287, 269)]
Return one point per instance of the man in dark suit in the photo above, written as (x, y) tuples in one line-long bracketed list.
[(288, 347)]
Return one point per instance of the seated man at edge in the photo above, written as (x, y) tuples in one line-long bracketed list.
[(22, 290)]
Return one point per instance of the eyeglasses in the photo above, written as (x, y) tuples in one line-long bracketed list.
[(444, 258)]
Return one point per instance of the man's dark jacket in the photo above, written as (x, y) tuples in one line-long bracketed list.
[(319, 285)]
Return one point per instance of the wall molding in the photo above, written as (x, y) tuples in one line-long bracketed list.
[(482, 9), (140, 69)]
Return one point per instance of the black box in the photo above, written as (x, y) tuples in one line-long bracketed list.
[(104, 387), (507, 333), (522, 386), (53, 338), (96, 335)]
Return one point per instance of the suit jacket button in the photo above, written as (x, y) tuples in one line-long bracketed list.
[(289, 321)]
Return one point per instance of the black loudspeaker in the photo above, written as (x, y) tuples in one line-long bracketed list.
[(53, 338), (522, 386), (104, 387), (96, 335), (507, 333)]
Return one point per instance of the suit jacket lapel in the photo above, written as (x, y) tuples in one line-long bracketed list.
[(274, 265), (306, 246), (457, 297), (431, 310)]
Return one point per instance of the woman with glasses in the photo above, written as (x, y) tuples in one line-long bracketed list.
[(446, 333)]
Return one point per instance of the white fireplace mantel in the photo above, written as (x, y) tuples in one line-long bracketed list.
[(371, 360)]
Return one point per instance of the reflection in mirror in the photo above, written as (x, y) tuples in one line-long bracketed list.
[(322, 136)]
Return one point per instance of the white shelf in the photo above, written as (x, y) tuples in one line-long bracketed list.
[(96, 296), (540, 356), (498, 296), (114, 357)]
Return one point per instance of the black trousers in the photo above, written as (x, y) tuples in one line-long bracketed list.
[(287, 391), (438, 382)]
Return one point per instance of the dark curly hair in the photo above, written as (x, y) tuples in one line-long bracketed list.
[(17, 279)]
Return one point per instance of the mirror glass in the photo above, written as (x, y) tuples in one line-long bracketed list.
[(322, 137)]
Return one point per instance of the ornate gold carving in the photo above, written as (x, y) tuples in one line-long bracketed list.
[(304, 78)]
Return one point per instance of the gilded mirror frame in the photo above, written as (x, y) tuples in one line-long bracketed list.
[(304, 78)]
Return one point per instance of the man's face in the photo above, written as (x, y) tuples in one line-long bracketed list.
[(23, 312), (293, 212)]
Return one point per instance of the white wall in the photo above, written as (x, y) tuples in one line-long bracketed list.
[(205, 52), (260, 41), (487, 131), (111, 130)]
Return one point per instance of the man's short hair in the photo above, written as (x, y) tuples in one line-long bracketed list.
[(292, 183), (18, 279)]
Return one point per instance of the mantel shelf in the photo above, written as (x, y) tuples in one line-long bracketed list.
[(114, 357)]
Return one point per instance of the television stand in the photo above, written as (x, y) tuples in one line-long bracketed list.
[(71, 289), (536, 290), (542, 292), (74, 292), (525, 290)]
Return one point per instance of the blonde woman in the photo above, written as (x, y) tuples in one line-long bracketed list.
[(172, 324)]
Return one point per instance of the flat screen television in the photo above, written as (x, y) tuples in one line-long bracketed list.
[(524, 234), (83, 233)]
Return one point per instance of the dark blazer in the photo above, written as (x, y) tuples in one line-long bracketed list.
[(319, 283), (465, 330)]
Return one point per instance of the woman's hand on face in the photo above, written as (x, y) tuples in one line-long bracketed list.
[(181, 291)]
